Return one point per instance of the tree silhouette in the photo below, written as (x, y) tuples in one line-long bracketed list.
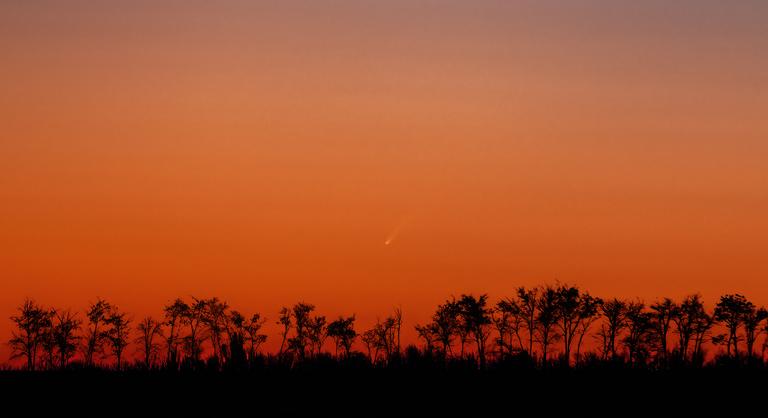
[(527, 302), (662, 314), (445, 323), (117, 334), (30, 323), (255, 338), (568, 310), (242, 332), (702, 327), (428, 334), (731, 310), (753, 318), (149, 329), (369, 338), (463, 331), (507, 321), (300, 314), (97, 314), (214, 318), (65, 337), (476, 315), (575, 313), (316, 332), (684, 322), (688, 320), (48, 341), (764, 347), (342, 331), (589, 312), (638, 324), (385, 336), (193, 318), (285, 321), (547, 317), (174, 317), (398, 319), (235, 353), (614, 313)]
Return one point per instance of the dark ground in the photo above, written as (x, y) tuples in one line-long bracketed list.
[(386, 392)]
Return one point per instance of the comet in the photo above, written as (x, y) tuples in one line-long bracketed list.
[(395, 232)]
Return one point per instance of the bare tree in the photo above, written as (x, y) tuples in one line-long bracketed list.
[(753, 319), (385, 332), (764, 347), (30, 323), (48, 342), (527, 302), (702, 327), (615, 321), (369, 339), (242, 331), (730, 310), (638, 323), (174, 318), (477, 316), (429, 334), (547, 317), (193, 318), (286, 322), (117, 334), (501, 319), (301, 315), (662, 313), (445, 322), (463, 331), (509, 322), (316, 333), (255, 338), (573, 308), (342, 331), (589, 311), (64, 330), (97, 314), (234, 354), (398, 317), (568, 305), (214, 317), (684, 319), (149, 329)]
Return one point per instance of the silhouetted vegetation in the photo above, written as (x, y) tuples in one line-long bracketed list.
[(548, 332), (543, 324)]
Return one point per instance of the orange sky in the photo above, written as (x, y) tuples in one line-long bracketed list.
[(264, 151)]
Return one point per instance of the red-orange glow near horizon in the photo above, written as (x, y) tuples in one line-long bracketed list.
[(366, 155)]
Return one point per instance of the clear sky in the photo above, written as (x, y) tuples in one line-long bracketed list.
[(264, 151)]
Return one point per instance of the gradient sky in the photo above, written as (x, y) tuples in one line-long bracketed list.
[(263, 151)]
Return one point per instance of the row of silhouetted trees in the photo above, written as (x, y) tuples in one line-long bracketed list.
[(553, 324)]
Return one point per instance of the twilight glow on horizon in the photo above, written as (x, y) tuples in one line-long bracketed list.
[(361, 155)]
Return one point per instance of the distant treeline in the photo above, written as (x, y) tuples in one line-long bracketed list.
[(538, 327)]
